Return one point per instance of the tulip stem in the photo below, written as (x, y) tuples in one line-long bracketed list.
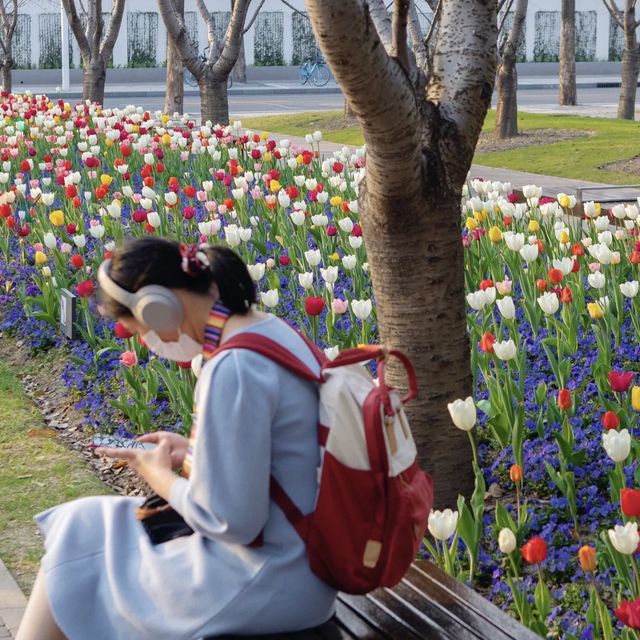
[(473, 449), (636, 576)]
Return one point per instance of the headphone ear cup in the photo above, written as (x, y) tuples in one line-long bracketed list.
[(158, 308)]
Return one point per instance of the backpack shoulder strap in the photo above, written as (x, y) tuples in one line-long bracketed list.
[(270, 349)]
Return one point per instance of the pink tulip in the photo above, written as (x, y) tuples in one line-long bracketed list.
[(129, 359), (38, 246), (339, 306), (65, 247), (504, 287), (594, 266)]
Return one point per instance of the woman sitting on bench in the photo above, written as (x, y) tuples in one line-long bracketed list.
[(243, 569)]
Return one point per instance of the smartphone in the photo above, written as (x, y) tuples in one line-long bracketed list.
[(118, 442)]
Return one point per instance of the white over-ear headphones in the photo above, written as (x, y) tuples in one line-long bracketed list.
[(154, 306)]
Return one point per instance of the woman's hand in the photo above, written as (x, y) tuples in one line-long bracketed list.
[(152, 465), (177, 445)]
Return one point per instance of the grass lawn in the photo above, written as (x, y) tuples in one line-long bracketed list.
[(37, 472), (611, 140)]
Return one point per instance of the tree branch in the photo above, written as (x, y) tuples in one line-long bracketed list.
[(415, 31), (180, 38), (505, 15), (76, 28), (232, 40), (255, 15), (614, 11), (300, 13), (214, 45), (382, 22), (115, 20), (399, 29)]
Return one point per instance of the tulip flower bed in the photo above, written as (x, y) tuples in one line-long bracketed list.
[(553, 322)]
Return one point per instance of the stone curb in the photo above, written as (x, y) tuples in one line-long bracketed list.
[(12, 603)]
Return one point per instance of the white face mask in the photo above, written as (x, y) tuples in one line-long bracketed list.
[(184, 349)]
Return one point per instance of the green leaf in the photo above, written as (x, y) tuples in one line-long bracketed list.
[(543, 599), (503, 518), (541, 392), (484, 406), (466, 526), (501, 428), (556, 478)]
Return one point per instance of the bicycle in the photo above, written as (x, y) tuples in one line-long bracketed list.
[(316, 71), (191, 80)]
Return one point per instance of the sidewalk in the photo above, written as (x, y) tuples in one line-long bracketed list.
[(12, 604)]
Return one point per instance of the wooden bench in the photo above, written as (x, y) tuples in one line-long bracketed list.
[(426, 604)]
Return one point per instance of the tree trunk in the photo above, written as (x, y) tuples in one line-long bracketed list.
[(214, 101), (174, 100), (94, 76), (628, 84), (507, 102), (348, 111), (6, 74), (568, 94), (239, 73)]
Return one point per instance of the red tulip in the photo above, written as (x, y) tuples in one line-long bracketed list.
[(121, 331), (284, 260), (515, 473), (314, 306), (189, 191), (24, 230), (71, 228), (564, 400), (5, 210), (610, 420), (555, 275), (566, 296), (541, 284), (85, 288), (620, 382), (356, 231), (486, 284), (184, 365), (332, 230), (576, 267), (630, 502), (629, 613), (337, 167), (77, 261), (635, 257), (486, 342), (140, 215), (534, 551)]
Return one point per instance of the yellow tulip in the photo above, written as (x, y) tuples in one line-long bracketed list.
[(165, 118), (471, 224), (335, 201), (106, 179), (40, 258), (166, 139), (299, 159), (565, 201), (264, 135), (274, 186), (595, 310), (534, 226), (495, 235), (109, 142), (267, 156), (57, 218), (564, 237), (635, 397), (335, 257)]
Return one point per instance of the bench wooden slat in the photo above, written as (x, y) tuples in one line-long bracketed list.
[(459, 600), (355, 624), (385, 622)]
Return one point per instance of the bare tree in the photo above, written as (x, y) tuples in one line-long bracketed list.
[(212, 73), (95, 45), (568, 93), (421, 134), (507, 75), (174, 100), (626, 20)]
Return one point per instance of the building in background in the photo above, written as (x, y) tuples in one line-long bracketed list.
[(282, 35)]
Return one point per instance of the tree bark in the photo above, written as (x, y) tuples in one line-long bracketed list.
[(239, 72), (507, 77), (8, 27), (630, 64), (568, 94), (6, 74), (420, 144), (174, 100), (94, 76), (214, 100)]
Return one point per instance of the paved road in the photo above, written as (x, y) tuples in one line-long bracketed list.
[(243, 105)]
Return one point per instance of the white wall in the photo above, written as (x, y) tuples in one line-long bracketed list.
[(35, 8)]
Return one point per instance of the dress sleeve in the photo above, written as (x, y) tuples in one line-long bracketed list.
[(227, 494)]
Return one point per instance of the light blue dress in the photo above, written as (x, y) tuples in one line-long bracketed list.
[(106, 581)]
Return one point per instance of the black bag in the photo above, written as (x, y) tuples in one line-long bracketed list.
[(161, 521)]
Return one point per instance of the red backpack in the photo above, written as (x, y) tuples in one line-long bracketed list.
[(373, 501)]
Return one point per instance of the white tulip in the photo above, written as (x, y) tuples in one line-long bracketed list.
[(590, 209), (506, 540), (549, 303), (49, 240), (305, 280), (617, 444), (507, 308), (245, 234), (531, 191), (332, 352), (601, 223), (565, 265), (329, 275), (505, 350), (515, 241), (320, 220), (97, 231), (349, 262), (355, 242), (153, 218), (619, 211), (476, 300), (463, 413), (196, 365), (231, 235), (270, 298), (256, 271), (346, 224), (632, 211), (361, 308), (625, 538), (442, 524), (297, 217), (114, 210), (605, 238), (80, 241), (313, 257), (604, 303), (529, 252), (596, 280), (284, 199), (630, 289)]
